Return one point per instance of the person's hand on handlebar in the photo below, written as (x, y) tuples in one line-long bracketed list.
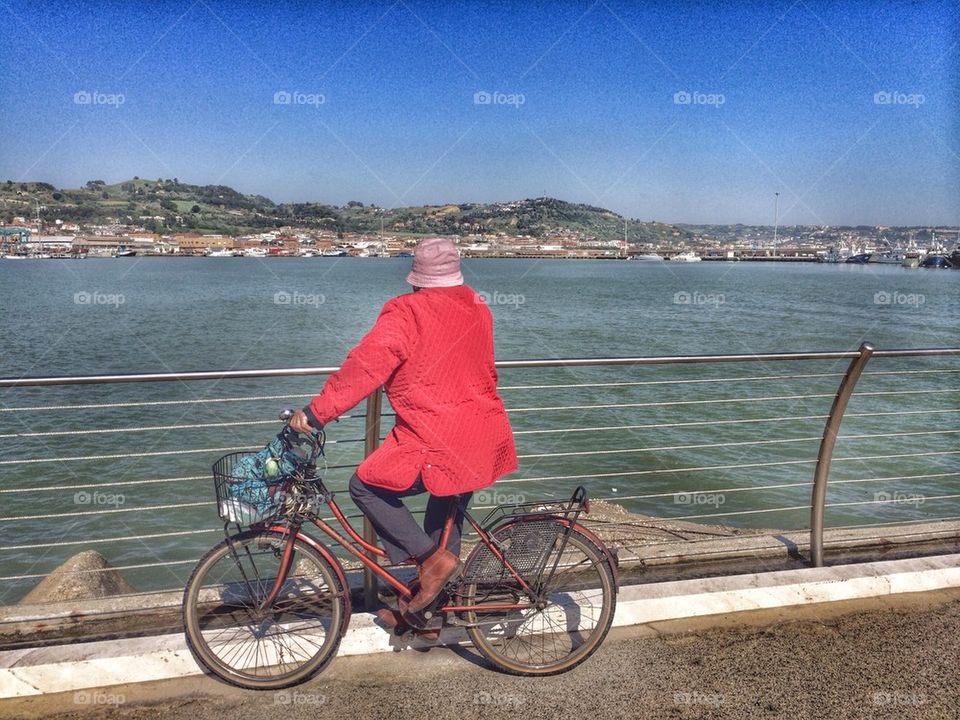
[(300, 423)]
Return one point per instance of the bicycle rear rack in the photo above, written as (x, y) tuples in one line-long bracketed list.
[(567, 509)]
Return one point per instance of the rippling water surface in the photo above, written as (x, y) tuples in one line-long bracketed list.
[(719, 442)]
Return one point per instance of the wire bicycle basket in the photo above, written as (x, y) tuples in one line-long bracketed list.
[(251, 486), (241, 497)]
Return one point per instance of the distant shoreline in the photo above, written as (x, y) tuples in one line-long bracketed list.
[(665, 259), (711, 260)]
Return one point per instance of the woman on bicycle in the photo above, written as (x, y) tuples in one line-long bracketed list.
[(432, 350)]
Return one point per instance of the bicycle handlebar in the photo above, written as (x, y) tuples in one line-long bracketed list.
[(291, 436)]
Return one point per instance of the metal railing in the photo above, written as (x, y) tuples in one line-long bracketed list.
[(825, 455), (600, 456)]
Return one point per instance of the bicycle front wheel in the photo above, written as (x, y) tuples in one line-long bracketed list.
[(258, 648), (567, 618)]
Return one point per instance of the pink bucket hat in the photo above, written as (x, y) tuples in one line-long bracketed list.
[(436, 263)]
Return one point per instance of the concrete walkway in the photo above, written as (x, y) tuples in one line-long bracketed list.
[(84, 666), (891, 657)]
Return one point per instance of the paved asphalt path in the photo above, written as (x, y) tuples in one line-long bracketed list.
[(875, 659)]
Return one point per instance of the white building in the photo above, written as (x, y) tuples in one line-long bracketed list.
[(38, 242)]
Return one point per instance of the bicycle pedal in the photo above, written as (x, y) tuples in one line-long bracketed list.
[(424, 624), (424, 620)]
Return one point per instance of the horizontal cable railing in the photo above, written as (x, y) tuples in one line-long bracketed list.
[(125, 472)]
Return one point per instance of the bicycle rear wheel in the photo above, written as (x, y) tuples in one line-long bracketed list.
[(279, 646), (572, 610)]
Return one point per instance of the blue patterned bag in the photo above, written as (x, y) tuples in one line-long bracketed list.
[(253, 482)]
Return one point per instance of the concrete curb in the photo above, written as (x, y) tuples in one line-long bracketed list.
[(80, 666)]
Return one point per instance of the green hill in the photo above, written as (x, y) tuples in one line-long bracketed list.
[(168, 205)]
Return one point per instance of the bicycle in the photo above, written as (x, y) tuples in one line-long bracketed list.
[(266, 607)]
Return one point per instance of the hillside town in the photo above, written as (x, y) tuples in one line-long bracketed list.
[(173, 219), (27, 237)]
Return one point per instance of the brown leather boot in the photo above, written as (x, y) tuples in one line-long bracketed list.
[(434, 572)]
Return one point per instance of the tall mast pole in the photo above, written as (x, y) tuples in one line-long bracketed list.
[(776, 218)]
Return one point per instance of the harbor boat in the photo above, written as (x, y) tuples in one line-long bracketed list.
[(891, 257), (13, 257), (685, 257), (911, 261), (223, 252), (835, 255), (936, 262), (646, 257), (124, 251), (858, 259), (255, 252), (831, 257), (333, 252)]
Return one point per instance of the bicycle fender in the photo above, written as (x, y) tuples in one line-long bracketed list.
[(612, 559)]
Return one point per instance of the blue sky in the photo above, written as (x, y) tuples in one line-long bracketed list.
[(680, 112)]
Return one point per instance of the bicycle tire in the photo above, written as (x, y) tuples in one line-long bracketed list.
[(225, 599), (480, 585)]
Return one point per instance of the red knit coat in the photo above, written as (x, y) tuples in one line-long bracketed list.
[(433, 351)]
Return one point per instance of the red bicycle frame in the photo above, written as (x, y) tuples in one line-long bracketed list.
[(368, 554)]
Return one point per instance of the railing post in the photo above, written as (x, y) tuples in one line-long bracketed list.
[(371, 440), (825, 455)]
